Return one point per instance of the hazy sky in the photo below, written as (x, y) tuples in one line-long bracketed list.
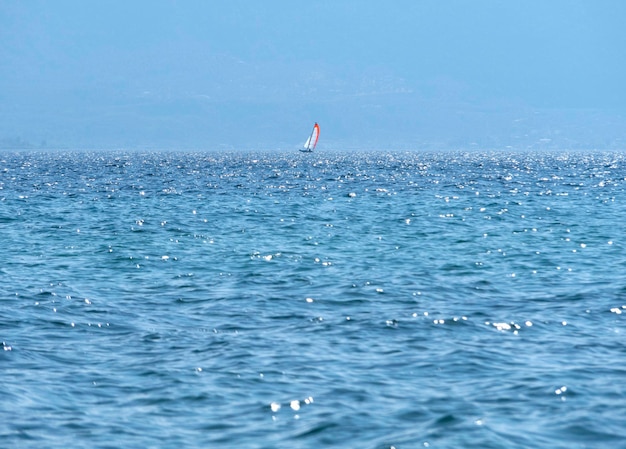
[(202, 73)]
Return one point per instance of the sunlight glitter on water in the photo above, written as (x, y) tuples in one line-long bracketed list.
[(371, 302)]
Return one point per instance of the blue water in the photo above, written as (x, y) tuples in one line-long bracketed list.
[(334, 299)]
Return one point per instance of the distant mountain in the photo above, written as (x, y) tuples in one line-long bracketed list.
[(252, 110)]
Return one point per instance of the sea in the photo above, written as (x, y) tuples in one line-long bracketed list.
[(349, 299)]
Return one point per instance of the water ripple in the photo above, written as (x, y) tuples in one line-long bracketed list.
[(366, 299)]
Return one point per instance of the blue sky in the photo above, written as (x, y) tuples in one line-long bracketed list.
[(416, 73)]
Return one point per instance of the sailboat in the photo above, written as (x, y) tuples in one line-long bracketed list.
[(311, 142)]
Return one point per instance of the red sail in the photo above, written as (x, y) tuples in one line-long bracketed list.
[(315, 135)]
